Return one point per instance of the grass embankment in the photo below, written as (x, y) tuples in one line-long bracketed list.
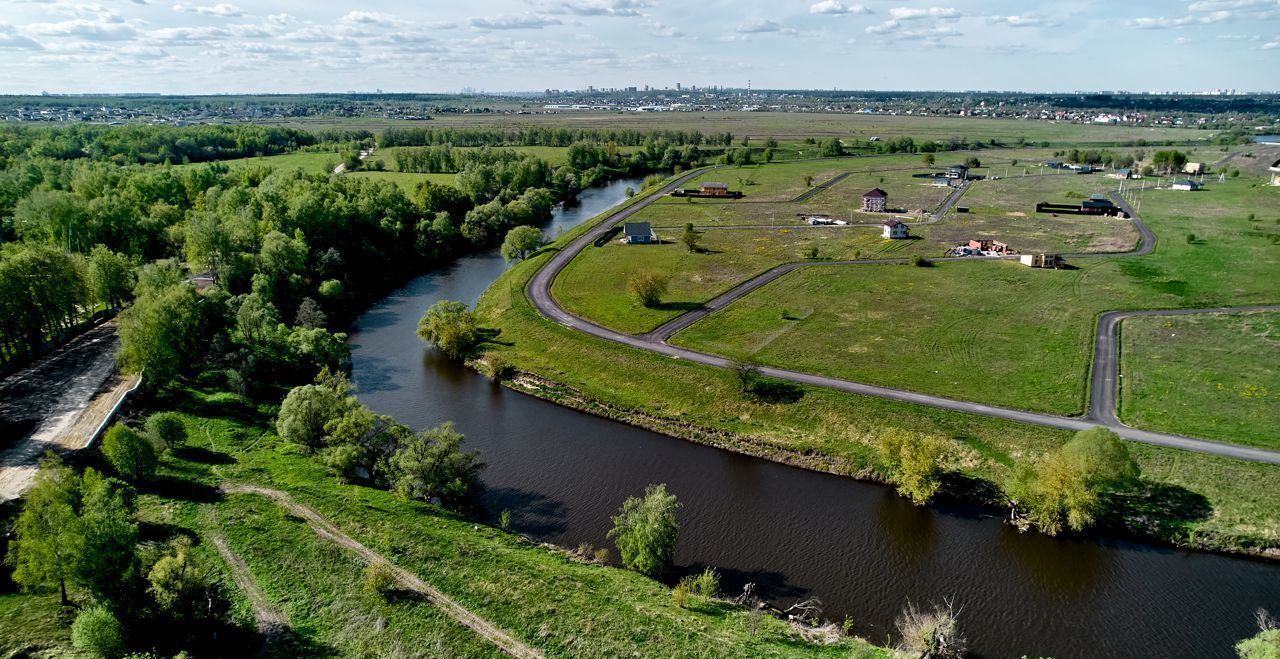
[(1001, 333), (1207, 376), (834, 431), (543, 597)]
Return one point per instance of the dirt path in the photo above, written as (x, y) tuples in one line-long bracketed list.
[(272, 623), (41, 404), (326, 529)]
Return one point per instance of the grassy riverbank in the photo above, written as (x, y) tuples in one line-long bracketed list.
[(543, 597), (1195, 500)]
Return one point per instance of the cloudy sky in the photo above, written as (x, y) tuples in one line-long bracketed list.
[(207, 46)]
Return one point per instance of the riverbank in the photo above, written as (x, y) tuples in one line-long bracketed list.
[(1190, 501)]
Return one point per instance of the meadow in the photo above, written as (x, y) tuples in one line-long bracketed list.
[(1211, 376), (1000, 333)]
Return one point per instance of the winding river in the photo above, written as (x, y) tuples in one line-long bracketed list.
[(858, 547)]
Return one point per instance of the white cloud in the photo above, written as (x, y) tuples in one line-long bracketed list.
[(1271, 45), (514, 22), (222, 9), (599, 7), (658, 29), (1025, 20), (189, 34), (11, 40), (758, 27), (898, 31), (107, 30), (1217, 5), (1165, 22), (916, 13), (837, 7)]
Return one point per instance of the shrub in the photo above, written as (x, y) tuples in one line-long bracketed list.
[(379, 579), (451, 326), (129, 453), (647, 287), (1191, 239), (680, 595), (504, 519), (920, 261), (704, 584), (495, 367), (812, 252), (913, 463), (645, 531), (748, 374), (97, 632), (166, 430), (931, 633)]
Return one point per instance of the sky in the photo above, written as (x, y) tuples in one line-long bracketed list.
[(208, 46)]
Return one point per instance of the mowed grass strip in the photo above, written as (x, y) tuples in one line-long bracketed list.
[(997, 332), (1212, 375)]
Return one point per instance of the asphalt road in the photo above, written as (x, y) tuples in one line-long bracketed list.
[(1105, 365)]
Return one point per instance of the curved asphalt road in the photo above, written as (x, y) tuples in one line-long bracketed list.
[(1105, 366)]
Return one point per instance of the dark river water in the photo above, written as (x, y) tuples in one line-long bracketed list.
[(859, 548)]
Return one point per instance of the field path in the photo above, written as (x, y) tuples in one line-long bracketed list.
[(272, 623), (327, 530), (539, 294)]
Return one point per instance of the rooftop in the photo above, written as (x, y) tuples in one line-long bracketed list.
[(875, 194), (716, 185)]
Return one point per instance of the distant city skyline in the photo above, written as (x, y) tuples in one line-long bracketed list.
[(123, 46)]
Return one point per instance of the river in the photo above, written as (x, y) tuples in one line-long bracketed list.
[(857, 546)]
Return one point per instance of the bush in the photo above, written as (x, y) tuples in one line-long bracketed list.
[(129, 453), (379, 579), (913, 463), (645, 531), (97, 632), (704, 584), (166, 430), (930, 633), (647, 287), (1067, 489), (1191, 239), (920, 261), (680, 594), (748, 374), (495, 367)]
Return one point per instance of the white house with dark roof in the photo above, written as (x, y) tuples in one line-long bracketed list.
[(896, 229), (1184, 185)]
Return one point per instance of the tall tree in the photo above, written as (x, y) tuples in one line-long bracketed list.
[(47, 541), (451, 327), (431, 463), (110, 277)]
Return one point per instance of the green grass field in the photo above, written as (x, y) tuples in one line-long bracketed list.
[(1212, 376), (312, 162), (834, 431), (594, 284), (1000, 333)]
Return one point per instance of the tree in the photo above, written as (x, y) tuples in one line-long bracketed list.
[(47, 538), (157, 333), (129, 453), (913, 463), (832, 148), (748, 374), (451, 327), (1169, 161), (647, 287), (166, 430), (808, 180), (1067, 488), (108, 563), (521, 243), (310, 315), (929, 160), (98, 633), (430, 464), (689, 237), (305, 412), (183, 586), (109, 276), (359, 444), (972, 162), (645, 531)]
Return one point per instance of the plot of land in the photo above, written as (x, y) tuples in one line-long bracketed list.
[(997, 332), (594, 285), (1215, 376)]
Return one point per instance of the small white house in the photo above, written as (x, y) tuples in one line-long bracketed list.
[(638, 233), (894, 229), (1184, 185)]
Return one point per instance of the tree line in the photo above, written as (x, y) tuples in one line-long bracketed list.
[(540, 136), (139, 144)]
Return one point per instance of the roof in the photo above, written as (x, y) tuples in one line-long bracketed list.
[(1275, 166), (893, 223), (1187, 182), (1124, 170), (958, 167), (637, 228), (876, 193), (716, 185)]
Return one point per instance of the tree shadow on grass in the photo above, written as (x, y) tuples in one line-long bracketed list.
[(682, 307), (1164, 509), (163, 532), (203, 455), (768, 390), (180, 489), (286, 644)]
